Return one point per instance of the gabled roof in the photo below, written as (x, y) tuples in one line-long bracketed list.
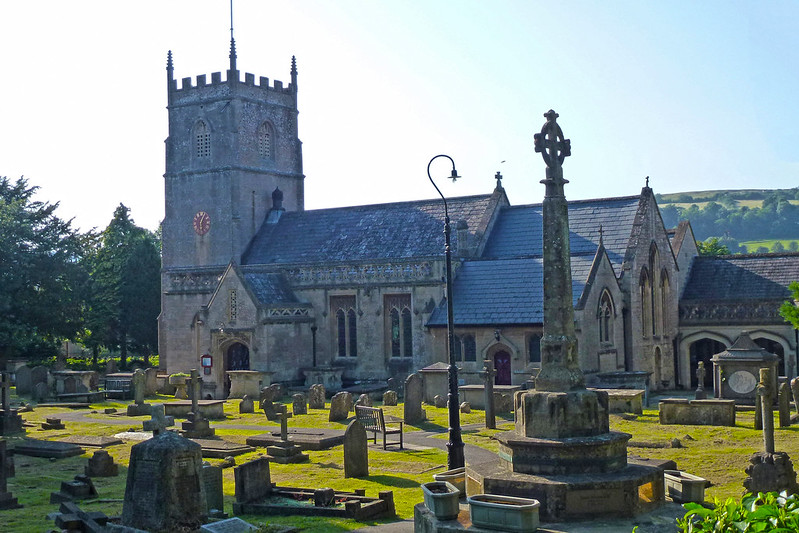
[(268, 288), (401, 230), (742, 277), (519, 230), (677, 235)]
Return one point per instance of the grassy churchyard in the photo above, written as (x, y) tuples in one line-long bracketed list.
[(719, 454)]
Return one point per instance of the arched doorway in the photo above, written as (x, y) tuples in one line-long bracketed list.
[(775, 348), (237, 357), (502, 367), (703, 350)]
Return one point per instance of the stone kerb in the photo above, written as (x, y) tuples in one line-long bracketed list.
[(697, 412)]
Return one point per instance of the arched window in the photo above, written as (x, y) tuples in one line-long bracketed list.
[(202, 140), (399, 325), (465, 347), (656, 298), (605, 316), (346, 327), (665, 288), (266, 141), (534, 348), (645, 287)]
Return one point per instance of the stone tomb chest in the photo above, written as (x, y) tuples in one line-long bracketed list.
[(736, 370)]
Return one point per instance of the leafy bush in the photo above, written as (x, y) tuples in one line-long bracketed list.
[(772, 512)]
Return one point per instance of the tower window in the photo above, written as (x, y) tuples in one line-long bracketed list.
[(266, 139), (202, 140)]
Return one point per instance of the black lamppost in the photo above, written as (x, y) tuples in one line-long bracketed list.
[(455, 444)]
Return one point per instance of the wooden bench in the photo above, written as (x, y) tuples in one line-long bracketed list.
[(373, 420)]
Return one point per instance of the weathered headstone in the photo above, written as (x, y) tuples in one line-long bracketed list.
[(7, 501), (340, 406), (316, 396), (39, 374), (164, 490), (503, 402), (299, 407), (466, 407), (266, 394), (80, 488), (784, 403), (252, 480), (23, 380), (277, 392), (700, 393), (52, 423), (196, 426), (10, 419), (139, 384), (364, 400), (158, 421), (150, 381), (439, 401), (214, 497), (246, 405), (414, 393), (390, 398), (795, 391), (40, 392), (356, 450), (101, 464), (285, 451), (393, 384)]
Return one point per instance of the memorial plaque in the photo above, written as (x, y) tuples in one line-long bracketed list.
[(591, 501), (742, 382)]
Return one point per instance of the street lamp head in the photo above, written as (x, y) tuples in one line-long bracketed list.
[(454, 177)]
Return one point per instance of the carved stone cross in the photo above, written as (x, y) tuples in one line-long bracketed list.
[(488, 375), (700, 394), (498, 177), (550, 142), (284, 422), (195, 385)]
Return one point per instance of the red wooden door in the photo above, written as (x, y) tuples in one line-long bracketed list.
[(502, 366)]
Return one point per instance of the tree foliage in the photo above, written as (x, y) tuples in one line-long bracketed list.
[(712, 246), (790, 309), (42, 279), (125, 287)]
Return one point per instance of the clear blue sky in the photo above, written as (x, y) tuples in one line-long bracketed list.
[(696, 95)]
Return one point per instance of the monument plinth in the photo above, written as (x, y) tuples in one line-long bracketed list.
[(562, 452)]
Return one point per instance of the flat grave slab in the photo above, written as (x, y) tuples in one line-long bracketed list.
[(231, 525), (219, 449), (66, 405), (306, 438), (92, 441), (47, 448), (134, 435), (211, 409)]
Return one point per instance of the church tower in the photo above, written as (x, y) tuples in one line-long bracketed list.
[(231, 144)]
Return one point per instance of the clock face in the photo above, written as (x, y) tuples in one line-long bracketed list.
[(201, 223)]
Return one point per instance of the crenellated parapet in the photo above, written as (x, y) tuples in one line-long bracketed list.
[(201, 81)]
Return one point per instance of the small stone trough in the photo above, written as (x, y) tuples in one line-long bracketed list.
[(286, 501)]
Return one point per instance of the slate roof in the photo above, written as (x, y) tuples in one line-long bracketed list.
[(393, 231), (505, 287), (269, 288), (742, 277)]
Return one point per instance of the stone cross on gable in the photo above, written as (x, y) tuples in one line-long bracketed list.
[(498, 177)]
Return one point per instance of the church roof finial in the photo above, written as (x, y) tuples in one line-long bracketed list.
[(601, 235), (169, 65), (232, 41), (498, 177), (647, 182)]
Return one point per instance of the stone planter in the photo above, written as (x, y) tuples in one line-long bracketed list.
[(179, 382), (441, 498), (505, 513), (684, 487), (456, 477)]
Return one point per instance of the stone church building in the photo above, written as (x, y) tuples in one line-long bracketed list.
[(253, 281)]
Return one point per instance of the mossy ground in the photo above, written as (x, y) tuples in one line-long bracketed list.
[(717, 453)]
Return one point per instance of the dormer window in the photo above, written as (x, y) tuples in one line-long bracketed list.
[(202, 140)]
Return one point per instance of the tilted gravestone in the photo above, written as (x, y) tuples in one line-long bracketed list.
[(246, 405), (164, 490), (316, 396), (299, 407), (212, 480), (356, 450), (340, 406), (466, 407), (390, 397), (364, 400), (23, 380), (101, 464), (414, 393), (80, 488), (253, 481)]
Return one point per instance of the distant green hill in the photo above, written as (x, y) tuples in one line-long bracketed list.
[(735, 215)]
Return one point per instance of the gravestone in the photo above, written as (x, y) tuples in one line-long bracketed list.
[(414, 392), (795, 391), (71, 518), (196, 427), (101, 464), (111, 366), (7, 501), (150, 381), (503, 402), (285, 451), (164, 489), (488, 374), (266, 403), (784, 403), (10, 419), (316, 396), (230, 525), (340, 406), (47, 449), (390, 398), (23, 380), (246, 405), (158, 421), (364, 400), (52, 423), (393, 384), (39, 374), (139, 384), (277, 392), (266, 394), (356, 450), (252, 481), (214, 497), (40, 392), (299, 407), (439, 401), (80, 488), (466, 407), (700, 393)]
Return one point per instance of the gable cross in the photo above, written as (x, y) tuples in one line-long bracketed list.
[(498, 177)]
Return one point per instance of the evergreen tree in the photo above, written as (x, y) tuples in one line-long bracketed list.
[(790, 308), (712, 246)]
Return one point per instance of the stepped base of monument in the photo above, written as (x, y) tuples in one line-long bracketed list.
[(635, 489), (575, 455)]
